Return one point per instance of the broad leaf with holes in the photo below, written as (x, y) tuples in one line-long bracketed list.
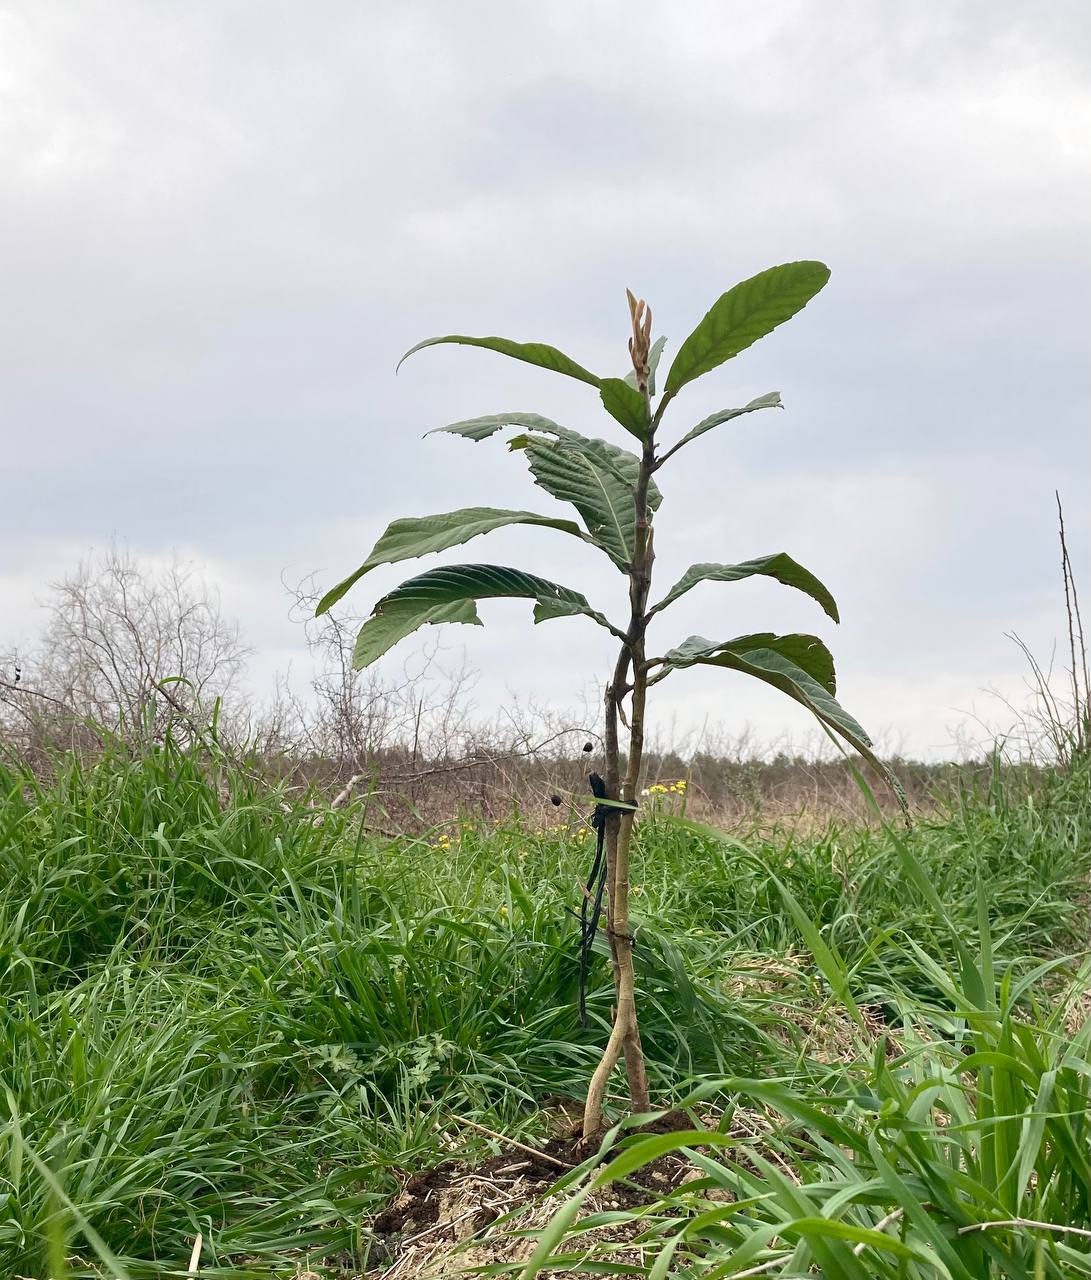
[(780, 567), (414, 537), (742, 315), (450, 595), (478, 429), (539, 353)]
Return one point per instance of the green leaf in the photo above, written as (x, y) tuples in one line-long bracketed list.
[(598, 479), (646, 1150), (420, 536), (771, 400), (803, 651), (449, 595), (626, 405), (780, 566), (743, 315), (539, 353), (826, 955), (620, 463), (800, 666), (654, 352), (478, 429)]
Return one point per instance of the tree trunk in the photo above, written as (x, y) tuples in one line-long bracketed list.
[(625, 1033)]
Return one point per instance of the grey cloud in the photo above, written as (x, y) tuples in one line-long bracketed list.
[(219, 227)]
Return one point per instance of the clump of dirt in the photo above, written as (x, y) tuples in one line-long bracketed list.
[(455, 1217)]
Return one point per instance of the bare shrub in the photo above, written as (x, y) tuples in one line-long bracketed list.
[(129, 651), (415, 742), (1054, 727), (125, 649)]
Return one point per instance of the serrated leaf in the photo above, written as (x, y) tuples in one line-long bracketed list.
[(537, 353), (620, 463), (771, 400), (598, 479), (654, 352), (449, 595), (626, 405), (781, 567), (478, 429), (744, 314), (420, 536), (800, 666)]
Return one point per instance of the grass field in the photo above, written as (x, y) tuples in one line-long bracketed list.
[(221, 1018)]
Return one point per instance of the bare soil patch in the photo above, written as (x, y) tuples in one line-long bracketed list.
[(456, 1217)]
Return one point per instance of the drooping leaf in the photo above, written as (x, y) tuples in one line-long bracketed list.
[(654, 352), (780, 566), (806, 652), (771, 400), (744, 314), (598, 479), (626, 405), (420, 536), (449, 595), (800, 666), (539, 353)]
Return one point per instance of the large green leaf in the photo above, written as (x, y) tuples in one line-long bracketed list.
[(808, 653), (449, 595), (539, 353), (626, 405), (743, 315), (420, 536), (780, 566), (598, 479), (771, 400), (619, 463), (798, 665)]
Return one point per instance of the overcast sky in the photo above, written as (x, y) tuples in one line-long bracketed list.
[(221, 224)]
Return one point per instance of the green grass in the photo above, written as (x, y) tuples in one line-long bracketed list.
[(217, 1017)]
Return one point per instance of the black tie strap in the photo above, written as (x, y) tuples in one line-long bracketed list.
[(591, 906)]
